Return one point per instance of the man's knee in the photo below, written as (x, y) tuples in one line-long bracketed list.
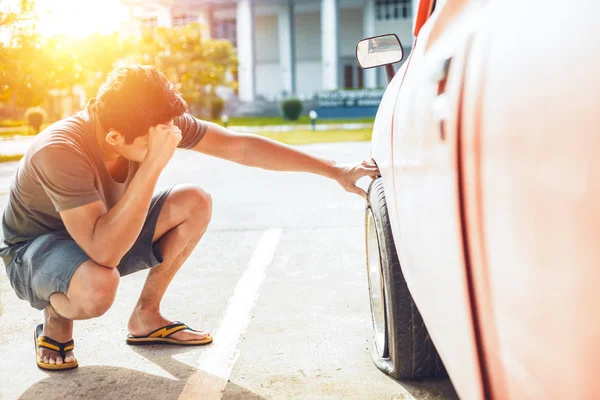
[(102, 293), (184, 203), (198, 204)]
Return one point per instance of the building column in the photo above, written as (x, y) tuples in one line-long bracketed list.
[(287, 46), (369, 31), (330, 43), (164, 17), (204, 20), (245, 50)]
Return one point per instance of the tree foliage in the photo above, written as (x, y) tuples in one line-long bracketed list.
[(16, 26), (33, 66), (194, 64)]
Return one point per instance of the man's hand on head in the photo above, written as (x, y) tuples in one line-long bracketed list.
[(162, 143), (348, 174)]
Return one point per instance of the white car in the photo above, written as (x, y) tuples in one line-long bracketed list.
[(483, 232)]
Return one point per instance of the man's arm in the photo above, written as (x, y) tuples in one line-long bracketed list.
[(106, 236), (257, 151)]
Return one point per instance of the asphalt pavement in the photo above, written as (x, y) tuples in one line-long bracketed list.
[(279, 279)]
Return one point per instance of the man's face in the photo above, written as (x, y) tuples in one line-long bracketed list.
[(134, 151)]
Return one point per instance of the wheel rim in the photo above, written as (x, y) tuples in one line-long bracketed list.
[(375, 285)]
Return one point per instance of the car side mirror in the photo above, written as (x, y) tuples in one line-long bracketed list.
[(378, 51)]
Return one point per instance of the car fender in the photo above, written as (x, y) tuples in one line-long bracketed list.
[(381, 141)]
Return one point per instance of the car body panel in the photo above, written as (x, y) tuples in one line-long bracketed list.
[(424, 10), (532, 197), (421, 181), (497, 220), (381, 142)]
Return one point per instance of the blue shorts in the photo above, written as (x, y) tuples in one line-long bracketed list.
[(45, 265)]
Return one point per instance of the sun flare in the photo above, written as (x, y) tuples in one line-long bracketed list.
[(79, 18)]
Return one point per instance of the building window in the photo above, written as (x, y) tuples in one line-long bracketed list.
[(361, 78), (353, 77), (225, 29), (182, 20), (393, 9), (149, 23), (348, 77)]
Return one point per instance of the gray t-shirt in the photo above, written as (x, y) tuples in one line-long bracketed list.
[(63, 169)]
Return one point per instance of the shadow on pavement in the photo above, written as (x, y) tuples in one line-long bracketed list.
[(441, 389), (108, 382)]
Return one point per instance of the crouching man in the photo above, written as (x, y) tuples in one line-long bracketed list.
[(82, 210)]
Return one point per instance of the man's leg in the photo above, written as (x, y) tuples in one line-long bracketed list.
[(181, 224), (91, 293)]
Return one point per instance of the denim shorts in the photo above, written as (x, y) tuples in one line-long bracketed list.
[(45, 265)]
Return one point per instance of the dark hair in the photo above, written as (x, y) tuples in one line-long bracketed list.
[(133, 99)]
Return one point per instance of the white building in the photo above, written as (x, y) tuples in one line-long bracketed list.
[(288, 47)]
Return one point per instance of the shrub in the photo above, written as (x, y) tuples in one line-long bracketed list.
[(216, 108), (291, 109), (35, 117)]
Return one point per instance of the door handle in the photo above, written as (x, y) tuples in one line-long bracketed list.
[(441, 106)]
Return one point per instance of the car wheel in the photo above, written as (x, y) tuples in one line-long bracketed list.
[(401, 346)]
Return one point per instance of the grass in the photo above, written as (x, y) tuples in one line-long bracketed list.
[(292, 138), (8, 130), (12, 157), (303, 120), (330, 136), (11, 123), (19, 130)]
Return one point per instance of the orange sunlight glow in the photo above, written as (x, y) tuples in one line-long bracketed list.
[(79, 18)]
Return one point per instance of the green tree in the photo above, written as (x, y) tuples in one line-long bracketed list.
[(97, 56), (196, 65), (31, 66), (35, 65), (15, 24), (26, 70)]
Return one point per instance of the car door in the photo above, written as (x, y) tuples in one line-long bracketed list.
[(428, 231), (530, 147)]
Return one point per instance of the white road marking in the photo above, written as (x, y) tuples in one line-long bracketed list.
[(216, 363)]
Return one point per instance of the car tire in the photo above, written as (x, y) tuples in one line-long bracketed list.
[(401, 347)]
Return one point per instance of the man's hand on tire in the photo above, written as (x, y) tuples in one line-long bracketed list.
[(349, 174)]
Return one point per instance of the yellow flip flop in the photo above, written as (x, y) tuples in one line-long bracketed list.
[(161, 336), (51, 344)]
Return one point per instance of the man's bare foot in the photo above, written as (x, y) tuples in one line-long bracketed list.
[(59, 329), (143, 321)]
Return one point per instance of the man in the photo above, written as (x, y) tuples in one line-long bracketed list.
[(82, 214)]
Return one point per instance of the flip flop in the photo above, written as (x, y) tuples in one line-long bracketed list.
[(161, 336), (51, 344)]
